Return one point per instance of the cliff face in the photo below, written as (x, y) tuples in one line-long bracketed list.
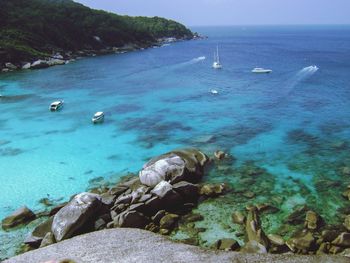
[(36, 28)]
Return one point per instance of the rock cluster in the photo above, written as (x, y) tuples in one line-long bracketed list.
[(165, 191)]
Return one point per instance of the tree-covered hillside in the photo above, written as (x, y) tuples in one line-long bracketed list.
[(34, 28)]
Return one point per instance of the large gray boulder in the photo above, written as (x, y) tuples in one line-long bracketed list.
[(81, 209), (176, 166), (126, 245)]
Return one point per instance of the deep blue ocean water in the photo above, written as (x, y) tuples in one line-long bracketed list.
[(159, 99)]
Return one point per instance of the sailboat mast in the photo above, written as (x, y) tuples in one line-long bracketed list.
[(217, 51)]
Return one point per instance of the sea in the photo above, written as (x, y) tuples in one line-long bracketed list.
[(292, 125)]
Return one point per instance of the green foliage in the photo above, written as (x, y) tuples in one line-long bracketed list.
[(34, 28)]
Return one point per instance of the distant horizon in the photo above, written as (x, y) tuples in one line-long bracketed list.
[(197, 13)]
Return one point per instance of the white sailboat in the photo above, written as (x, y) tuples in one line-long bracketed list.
[(217, 64)]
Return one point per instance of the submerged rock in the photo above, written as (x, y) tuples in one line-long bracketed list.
[(75, 214), (48, 239), (20, 216), (254, 247), (238, 218), (37, 235), (303, 243), (219, 155), (311, 220), (212, 190), (254, 230), (227, 244)]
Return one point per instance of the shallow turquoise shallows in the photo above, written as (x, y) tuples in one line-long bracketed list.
[(294, 122)]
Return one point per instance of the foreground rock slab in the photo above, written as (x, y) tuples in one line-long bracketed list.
[(135, 245)]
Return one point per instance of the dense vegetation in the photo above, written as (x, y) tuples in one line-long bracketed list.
[(35, 28)]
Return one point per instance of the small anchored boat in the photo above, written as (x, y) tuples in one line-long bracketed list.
[(261, 70), (217, 64), (98, 117), (56, 105)]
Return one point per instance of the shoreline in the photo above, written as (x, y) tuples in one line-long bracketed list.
[(65, 57)]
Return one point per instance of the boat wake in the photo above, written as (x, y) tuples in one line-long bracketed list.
[(195, 60), (308, 71)]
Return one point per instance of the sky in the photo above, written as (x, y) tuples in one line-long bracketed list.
[(233, 12)]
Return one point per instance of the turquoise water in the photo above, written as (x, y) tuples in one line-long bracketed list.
[(290, 122)]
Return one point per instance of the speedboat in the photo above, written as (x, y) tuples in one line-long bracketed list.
[(214, 91), (216, 63), (261, 70), (98, 117), (56, 105)]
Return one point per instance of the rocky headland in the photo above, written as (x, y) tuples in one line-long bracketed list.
[(37, 34)]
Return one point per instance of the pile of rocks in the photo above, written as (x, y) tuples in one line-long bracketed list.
[(165, 190)]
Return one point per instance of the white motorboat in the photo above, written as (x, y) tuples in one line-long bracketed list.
[(261, 70), (98, 117), (216, 63), (214, 91), (56, 105)]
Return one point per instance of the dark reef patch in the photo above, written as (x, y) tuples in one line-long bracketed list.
[(125, 108), (10, 151), (15, 98)]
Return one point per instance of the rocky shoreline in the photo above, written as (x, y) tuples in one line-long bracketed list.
[(61, 57), (163, 198)]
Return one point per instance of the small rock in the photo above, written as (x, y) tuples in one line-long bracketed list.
[(162, 188), (212, 190), (39, 64), (132, 219), (118, 190), (193, 218), (329, 235), (267, 208), (164, 231), (304, 243), (254, 247), (238, 218), (107, 199), (9, 65), (48, 239), (20, 216), (311, 220), (227, 244), (26, 66), (168, 221), (37, 235), (152, 227), (219, 155), (158, 216), (343, 240), (335, 250), (248, 194), (347, 222), (187, 190), (276, 239), (346, 170)]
